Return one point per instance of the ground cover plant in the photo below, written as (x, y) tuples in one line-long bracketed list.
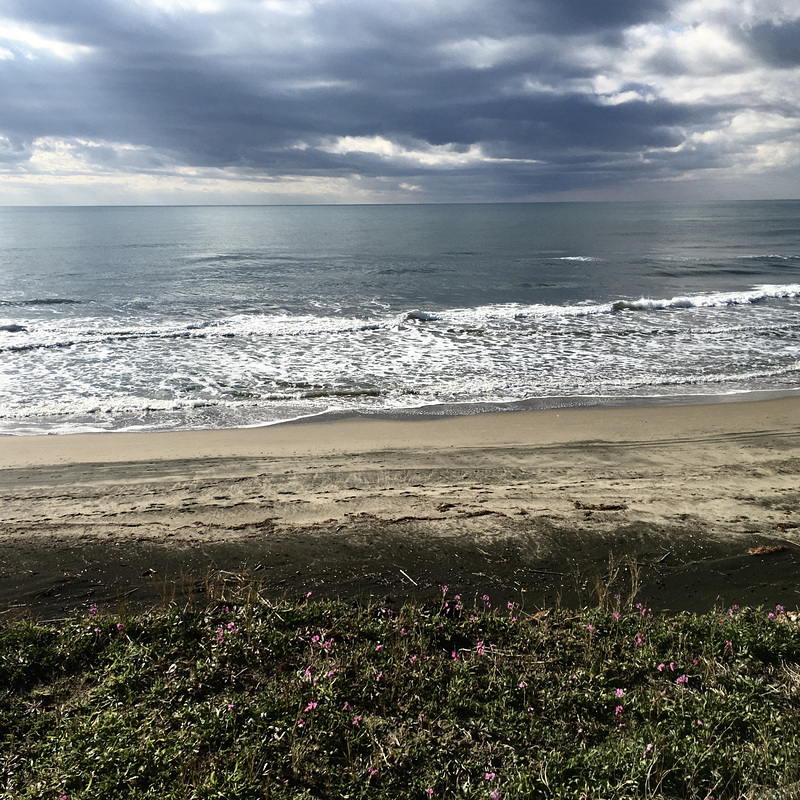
[(245, 698)]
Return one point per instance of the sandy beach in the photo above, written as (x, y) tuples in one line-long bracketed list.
[(530, 506)]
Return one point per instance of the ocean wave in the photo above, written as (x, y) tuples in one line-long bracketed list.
[(48, 336), (770, 256), (710, 300), (44, 301), (420, 316), (26, 335), (516, 311)]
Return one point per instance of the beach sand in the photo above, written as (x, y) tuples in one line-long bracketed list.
[(523, 506)]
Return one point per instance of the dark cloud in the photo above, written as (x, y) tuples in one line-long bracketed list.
[(778, 45), (589, 15), (534, 96)]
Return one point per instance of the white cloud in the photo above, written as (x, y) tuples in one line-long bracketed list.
[(424, 154), (485, 52), (33, 43), (177, 6)]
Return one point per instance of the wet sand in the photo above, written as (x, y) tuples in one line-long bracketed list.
[(529, 506)]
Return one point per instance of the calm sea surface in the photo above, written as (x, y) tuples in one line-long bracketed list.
[(205, 317)]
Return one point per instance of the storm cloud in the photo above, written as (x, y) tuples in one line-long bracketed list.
[(412, 101)]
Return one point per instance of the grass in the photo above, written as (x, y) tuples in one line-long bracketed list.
[(244, 698)]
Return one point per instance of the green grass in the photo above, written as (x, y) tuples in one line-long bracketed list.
[(336, 700)]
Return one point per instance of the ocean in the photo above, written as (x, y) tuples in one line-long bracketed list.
[(164, 318)]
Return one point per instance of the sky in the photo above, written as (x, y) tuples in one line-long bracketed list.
[(397, 101)]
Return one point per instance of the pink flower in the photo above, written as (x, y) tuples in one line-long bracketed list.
[(495, 795), (619, 692), (378, 647), (660, 667), (356, 720), (647, 751), (489, 776), (618, 711), (93, 609), (682, 679), (311, 706), (430, 792), (347, 706), (372, 772)]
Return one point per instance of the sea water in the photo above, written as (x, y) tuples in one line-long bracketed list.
[(153, 318)]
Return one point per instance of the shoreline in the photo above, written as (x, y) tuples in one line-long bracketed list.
[(438, 411), (526, 505)]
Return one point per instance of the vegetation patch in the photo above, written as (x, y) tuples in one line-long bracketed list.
[(245, 698)]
